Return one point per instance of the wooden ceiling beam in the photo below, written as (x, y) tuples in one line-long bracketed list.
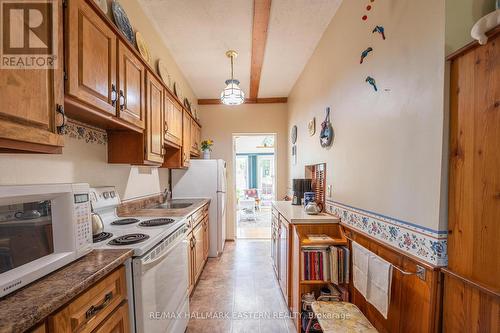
[(261, 13), (269, 100)]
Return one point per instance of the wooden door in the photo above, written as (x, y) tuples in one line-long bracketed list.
[(117, 322), (28, 102), (472, 279), (173, 123), (91, 58), (283, 257), (154, 120), (206, 241), (186, 139), (198, 249), (131, 94)]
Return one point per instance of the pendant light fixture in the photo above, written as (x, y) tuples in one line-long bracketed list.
[(232, 94)]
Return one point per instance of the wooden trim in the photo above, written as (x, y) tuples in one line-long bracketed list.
[(471, 45), (261, 13), (477, 285), (268, 100)]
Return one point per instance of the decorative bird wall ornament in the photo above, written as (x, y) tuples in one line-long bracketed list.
[(380, 30), (372, 82), (364, 54)]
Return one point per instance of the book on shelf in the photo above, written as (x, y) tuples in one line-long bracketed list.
[(325, 263)]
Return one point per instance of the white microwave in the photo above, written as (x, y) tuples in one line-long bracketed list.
[(42, 228)]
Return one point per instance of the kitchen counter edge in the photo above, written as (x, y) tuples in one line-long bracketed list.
[(297, 215)]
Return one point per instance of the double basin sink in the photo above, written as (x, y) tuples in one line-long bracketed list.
[(176, 204)]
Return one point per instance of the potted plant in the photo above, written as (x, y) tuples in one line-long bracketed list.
[(206, 148)]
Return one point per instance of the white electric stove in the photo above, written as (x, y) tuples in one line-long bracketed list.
[(159, 273)]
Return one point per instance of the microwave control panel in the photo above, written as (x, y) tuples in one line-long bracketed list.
[(83, 223)]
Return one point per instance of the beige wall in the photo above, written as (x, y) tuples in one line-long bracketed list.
[(82, 162), (460, 17), (387, 154), (157, 45), (221, 122)]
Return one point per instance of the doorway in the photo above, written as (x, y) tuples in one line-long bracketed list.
[(255, 182)]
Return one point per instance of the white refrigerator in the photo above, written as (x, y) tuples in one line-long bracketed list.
[(206, 179)]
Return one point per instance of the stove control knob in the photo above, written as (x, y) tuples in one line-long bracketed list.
[(105, 195), (112, 194)]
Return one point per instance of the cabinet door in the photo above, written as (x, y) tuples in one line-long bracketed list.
[(117, 322), (131, 75), (91, 58), (186, 139), (154, 119), (173, 123), (205, 238), (28, 102), (283, 258), (274, 243), (198, 249)]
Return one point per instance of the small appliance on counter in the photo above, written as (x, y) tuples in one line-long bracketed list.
[(300, 186), (42, 228)]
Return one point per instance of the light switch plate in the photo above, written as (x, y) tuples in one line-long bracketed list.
[(329, 191)]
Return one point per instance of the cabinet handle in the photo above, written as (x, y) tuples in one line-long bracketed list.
[(94, 310), (61, 128), (122, 100), (113, 94)]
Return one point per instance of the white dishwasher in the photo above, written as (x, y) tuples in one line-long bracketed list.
[(161, 286)]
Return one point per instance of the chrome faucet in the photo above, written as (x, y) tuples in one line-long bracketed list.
[(167, 195)]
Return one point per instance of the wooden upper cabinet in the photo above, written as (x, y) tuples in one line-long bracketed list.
[(91, 58), (186, 139), (131, 95), (173, 123), (28, 102), (154, 117), (195, 138)]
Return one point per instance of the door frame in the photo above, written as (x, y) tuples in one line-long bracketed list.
[(233, 182)]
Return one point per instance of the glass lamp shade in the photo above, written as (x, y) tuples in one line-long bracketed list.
[(232, 94)]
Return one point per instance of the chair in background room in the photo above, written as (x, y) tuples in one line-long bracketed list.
[(254, 194)]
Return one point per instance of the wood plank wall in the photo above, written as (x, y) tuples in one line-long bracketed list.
[(415, 304)]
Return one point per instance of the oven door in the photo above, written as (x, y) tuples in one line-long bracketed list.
[(161, 288)]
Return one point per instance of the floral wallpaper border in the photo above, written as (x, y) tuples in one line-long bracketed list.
[(80, 131), (426, 244)]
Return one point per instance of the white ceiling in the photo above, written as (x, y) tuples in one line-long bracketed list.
[(198, 33)]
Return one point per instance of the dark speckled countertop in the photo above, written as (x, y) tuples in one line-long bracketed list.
[(28, 306)]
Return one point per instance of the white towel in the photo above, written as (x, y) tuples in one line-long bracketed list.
[(360, 257), (379, 283)]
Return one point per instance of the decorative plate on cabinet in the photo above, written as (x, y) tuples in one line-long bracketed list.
[(293, 135), (122, 22), (175, 90), (163, 72), (103, 4), (142, 47)]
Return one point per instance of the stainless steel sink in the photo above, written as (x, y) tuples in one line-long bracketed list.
[(175, 204)]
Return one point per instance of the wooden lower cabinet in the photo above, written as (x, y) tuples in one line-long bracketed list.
[(102, 308), (198, 241)]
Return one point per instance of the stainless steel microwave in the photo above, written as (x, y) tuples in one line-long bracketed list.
[(42, 228)]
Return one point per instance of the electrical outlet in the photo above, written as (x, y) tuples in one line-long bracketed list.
[(329, 191)]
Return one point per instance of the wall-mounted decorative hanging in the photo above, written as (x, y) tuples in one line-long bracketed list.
[(142, 47), (364, 54), (122, 22), (294, 154), (103, 4), (372, 82), (311, 126), (380, 29), (293, 134), (326, 135)]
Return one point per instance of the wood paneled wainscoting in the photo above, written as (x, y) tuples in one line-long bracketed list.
[(415, 304)]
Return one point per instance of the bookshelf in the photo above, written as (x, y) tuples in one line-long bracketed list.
[(302, 243)]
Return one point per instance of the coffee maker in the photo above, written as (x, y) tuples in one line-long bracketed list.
[(299, 187)]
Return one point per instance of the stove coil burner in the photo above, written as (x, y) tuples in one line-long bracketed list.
[(102, 236), (156, 222), (128, 239), (124, 221)]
